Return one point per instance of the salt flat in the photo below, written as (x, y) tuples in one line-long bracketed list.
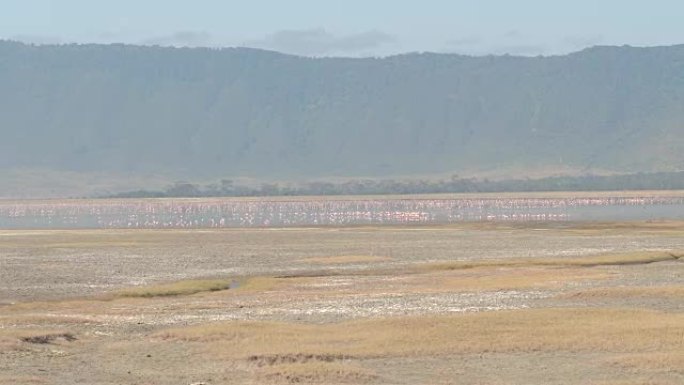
[(472, 303)]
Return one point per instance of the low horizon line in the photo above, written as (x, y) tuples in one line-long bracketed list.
[(406, 53)]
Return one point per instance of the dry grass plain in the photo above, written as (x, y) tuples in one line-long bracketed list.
[(479, 303)]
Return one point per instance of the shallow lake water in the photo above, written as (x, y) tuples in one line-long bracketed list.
[(273, 212)]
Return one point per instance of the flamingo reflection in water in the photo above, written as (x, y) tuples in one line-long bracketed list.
[(230, 212)]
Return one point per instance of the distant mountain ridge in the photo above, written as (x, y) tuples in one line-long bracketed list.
[(209, 113)]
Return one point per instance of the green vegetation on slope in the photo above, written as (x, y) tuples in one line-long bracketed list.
[(207, 113)]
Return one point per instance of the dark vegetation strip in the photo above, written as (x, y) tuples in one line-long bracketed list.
[(636, 258), (48, 338), (190, 287), (228, 188)]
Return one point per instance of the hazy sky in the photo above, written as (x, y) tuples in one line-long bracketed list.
[(351, 27)]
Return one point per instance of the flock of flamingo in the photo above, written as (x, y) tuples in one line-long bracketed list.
[(220, 213)]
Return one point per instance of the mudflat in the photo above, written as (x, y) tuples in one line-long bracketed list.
[(472, 303)]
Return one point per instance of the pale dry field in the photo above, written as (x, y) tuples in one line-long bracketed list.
[(478, 303)]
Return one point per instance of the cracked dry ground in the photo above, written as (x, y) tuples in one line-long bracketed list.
[(578, 303)]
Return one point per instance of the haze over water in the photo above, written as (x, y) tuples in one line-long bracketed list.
[(273, 212)]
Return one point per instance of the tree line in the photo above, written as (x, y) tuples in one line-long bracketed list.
[(454, 184)]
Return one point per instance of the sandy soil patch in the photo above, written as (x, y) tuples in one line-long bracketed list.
[(342, 259)]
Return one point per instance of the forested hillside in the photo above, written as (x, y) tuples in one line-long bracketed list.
[(209, 113)]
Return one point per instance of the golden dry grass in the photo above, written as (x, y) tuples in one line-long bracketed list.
[(670, 361), (342, 259), (264, 284), (14, 380), (8, 343), (55, 239), (637, 228), (187, 287), (670, 292), (502, 279), (589, 261), (16, 316), (637, 381), (318, 373), (643, 346), (650, 225), (14, 339), (613, 330)]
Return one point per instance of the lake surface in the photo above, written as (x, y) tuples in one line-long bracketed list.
[(273, 212)]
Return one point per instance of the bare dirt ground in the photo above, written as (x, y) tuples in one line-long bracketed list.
[(479, 303)]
